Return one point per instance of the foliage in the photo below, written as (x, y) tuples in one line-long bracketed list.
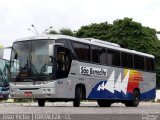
[(23, 100), (66, 31), (52, 32), (63, 31), (98, 31)]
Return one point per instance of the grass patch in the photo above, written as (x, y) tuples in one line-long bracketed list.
[(23, 100)]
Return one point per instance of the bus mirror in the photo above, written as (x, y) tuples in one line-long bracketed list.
[(50, 50), (5, 53), (1, 53)]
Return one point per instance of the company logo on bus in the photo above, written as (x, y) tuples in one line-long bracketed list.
[(93, 71)]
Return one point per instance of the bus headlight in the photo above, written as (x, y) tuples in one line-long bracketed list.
[(46, 90)]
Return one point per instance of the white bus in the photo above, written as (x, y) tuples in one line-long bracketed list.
[(63, 68)]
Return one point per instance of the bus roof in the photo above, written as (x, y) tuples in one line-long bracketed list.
[(85, 40)]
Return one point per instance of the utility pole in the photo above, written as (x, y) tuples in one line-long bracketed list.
[(34, 31), (47, 30)]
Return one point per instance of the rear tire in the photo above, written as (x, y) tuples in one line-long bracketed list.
[(41, 103), (104, 103), (77, 99), (135, 100)]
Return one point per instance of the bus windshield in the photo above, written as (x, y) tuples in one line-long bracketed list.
[(30, 61), (4, 69)]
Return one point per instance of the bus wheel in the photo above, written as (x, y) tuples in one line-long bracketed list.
[(77, 99), (41, 103), (104, 103), (135, 100)]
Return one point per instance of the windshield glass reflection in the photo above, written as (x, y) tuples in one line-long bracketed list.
[(31, 61), (4, 73)]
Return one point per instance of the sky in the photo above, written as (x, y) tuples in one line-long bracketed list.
[(16, 16)]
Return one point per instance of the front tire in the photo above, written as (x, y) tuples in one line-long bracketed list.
[(135, 100), (77, 99), (41, 103)]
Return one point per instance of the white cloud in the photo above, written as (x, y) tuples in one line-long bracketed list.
[(17, 15)]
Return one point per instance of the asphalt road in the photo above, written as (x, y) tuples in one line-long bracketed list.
[(87, 110)]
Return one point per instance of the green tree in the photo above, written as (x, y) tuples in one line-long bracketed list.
[(128, 34), (66, 31), (52, 32), (132, 35), (63, 31), (98, 31)]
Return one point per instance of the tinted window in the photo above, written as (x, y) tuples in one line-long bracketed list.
[(113, 57), (138, 62), (95, 54), (63, 62), (102, 56), (82, 51), (62, 41), (127, 60), (99, 55), (31, 59), (149, 64)]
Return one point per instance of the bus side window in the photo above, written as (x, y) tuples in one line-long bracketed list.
[(82, 51), (113, 57), (138, 62), (63, 62), (127, 60), (149, 64), (95, 54)]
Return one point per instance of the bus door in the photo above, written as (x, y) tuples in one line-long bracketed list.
[(63, 61)]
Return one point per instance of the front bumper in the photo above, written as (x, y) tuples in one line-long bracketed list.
[(44, 92)]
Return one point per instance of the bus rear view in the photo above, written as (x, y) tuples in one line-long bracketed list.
[(4, 77)]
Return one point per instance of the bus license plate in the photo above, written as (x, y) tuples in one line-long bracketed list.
[(27, 93)]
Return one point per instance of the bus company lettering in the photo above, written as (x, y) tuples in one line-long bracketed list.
[(93, 71)]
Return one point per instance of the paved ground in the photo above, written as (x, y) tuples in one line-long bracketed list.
[(86, 108), (145, 108)]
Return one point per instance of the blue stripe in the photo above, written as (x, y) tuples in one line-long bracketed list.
[(105, 94), (149, 95)]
